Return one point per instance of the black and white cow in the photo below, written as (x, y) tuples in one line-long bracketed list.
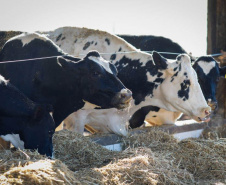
[(24, 123), (155, 43), (154, 81), (65, 82), (208, 72)]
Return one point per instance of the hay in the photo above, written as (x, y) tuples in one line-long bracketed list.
[(25, 167), (77, 151), (214, 132), (152, 157), (205, 159), (9, 159), (136, 166)]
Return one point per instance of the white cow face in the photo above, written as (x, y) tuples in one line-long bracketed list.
[(180, 89)]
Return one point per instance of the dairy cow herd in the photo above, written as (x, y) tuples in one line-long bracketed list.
[(72, 77)]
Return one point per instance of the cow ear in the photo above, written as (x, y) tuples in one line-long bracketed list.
[(159, 60), (184, 58), (64, 63), (222, 71), (68, 65)]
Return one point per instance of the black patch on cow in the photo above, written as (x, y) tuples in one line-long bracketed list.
[(175, 69), (205, 58), (75, 40), (86, 45), (179, 57), (120, 49), (183, 93), (154, 43), (63, 38), (208, 83), (159, 74), (113, 56), (179, 69), (59, 36), (92, 42), (95, 43), (93, 53), (139, 116), (175, 74), (154, 116), (108, 41), (134, 76), (158, 80)]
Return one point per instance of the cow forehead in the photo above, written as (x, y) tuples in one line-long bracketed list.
[(207, 66), (28, 37), (104, 63)]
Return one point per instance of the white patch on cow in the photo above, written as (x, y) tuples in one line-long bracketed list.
[(101, 62), (150, 78), (14, 139), (89, 106), (124, 65), (28, 37), (207, 66), (103, 120), (3, 80), (162, 117)]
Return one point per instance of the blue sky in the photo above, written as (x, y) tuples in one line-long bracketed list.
[(183, 21)]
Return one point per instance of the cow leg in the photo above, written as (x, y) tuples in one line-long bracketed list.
[(4, 144), (139, 116)]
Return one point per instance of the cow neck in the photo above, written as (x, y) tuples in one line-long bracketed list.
[(69, 99), (139, 75), (10, 126)]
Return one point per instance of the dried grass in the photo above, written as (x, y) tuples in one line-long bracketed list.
[(77, 151), (205, 159), (152, 157), (136, 166)]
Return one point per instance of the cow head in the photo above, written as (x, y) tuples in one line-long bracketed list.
[(208, 72), (41, 127), (98, 83), (33, 132), (180, 90)]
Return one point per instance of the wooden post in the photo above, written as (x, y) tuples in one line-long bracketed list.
[(216, 41)]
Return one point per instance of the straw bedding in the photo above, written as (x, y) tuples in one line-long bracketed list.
[(153, 157), (26, 167)]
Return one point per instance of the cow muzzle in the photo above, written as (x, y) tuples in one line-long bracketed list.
[(122, 99), (204, 115)]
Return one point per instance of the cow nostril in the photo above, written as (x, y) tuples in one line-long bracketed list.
[(207, 112), (123, 95)]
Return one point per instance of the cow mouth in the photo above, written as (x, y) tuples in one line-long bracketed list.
[(125, 104), (206, 119)]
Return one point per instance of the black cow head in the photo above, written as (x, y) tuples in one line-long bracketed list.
[(208, 72), (97, 82), (30, 132)]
